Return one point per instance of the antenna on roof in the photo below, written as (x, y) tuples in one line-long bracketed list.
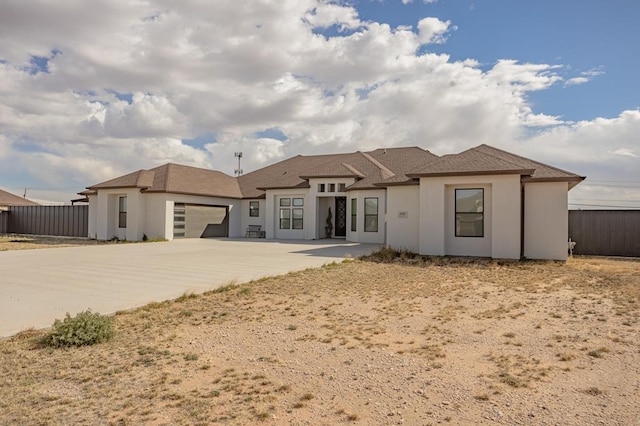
[(238, 171)]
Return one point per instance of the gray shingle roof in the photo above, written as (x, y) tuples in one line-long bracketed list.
[(178, 179), (374, 169), (370, 168), (484, 159)]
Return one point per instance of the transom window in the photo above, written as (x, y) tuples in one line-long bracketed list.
[(470, 212)]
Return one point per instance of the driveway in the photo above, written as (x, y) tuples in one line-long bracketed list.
[(38, 286)]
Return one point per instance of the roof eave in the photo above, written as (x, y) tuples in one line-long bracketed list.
[(474, 173), (158, 191)]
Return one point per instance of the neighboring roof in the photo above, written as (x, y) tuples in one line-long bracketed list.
[(176, 178), (9, 199), (484, 159)]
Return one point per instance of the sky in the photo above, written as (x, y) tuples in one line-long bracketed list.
[(92, 90)]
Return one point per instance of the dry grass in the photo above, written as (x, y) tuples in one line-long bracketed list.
[(27, 242), (434, 341)]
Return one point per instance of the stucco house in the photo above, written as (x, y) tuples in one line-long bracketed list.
[(481, 202)]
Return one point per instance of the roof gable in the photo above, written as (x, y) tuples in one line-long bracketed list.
[(485, 159), (179, 179)]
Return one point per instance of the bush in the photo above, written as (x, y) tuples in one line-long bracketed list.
[(86, 328)]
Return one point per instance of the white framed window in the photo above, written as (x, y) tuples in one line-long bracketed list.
[(371, 214), (122, 212), (469, 212), (254, 209)]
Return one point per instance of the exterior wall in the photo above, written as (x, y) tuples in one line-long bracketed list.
[(546, 220), (246, 220), (92, 228), (403, 217), (106, 212), (149, 214), (501, 217), (360, 236), (272, 218)]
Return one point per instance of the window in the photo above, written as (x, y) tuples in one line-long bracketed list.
[(332, 187), (291, 218), (341, 187), (354, 214), (122, 212), (297, 218), (254, 208), (285, 218), (371, 214), (470, 212), (321, 187)]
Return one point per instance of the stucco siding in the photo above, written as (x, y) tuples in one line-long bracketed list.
[(272, 219), (403, 217), (92, 225), (360, 235), (246, 220), (501, 217), (546, 219)]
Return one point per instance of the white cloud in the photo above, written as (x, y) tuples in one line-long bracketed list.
[(131, 80), (584, 77), (432, 30), (625, 152)]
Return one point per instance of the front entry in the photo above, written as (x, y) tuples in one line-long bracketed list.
[(341, 217)]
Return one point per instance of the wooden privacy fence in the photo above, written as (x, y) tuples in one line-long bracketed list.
[(61, 221), (605, 232)]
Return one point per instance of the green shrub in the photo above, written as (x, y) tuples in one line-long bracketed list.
[(86, 328)]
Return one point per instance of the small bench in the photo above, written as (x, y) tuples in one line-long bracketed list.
[(253, 231)]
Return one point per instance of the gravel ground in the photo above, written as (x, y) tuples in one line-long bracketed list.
[(413, 342)]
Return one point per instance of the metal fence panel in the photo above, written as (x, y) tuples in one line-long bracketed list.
[(605, 232), (4, 222), (62, 221)]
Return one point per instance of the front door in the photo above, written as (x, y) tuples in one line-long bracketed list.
[(341, 217)]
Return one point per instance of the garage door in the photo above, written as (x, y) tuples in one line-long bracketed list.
[(198, 221)]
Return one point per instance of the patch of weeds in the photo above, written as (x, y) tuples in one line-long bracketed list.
[(598, 353), (352, 417), (292, 327), (509, 335), (186, 296), (482, 397), (510, 380), (86, 328), (566, 356), (191, 357), (593, 391), (307, 397)]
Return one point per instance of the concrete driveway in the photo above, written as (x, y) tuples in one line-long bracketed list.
[(38, 286)]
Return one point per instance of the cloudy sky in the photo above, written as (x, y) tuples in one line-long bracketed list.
[(93, 90)]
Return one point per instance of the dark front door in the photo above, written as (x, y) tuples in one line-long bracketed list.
[(341, 217)]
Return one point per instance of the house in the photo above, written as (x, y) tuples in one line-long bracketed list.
[(8, 199), (481, 202)]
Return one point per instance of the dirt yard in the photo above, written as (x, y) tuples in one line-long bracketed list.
[(417, 343), (26, 242)]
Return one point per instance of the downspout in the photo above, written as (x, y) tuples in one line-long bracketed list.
[(521, 220)]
